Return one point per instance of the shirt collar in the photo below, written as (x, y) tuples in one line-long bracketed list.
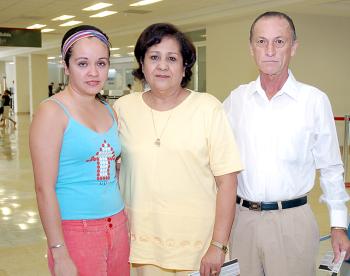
[(289, 88)]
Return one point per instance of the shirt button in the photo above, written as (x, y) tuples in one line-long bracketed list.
[(110, 225), (109, 219)]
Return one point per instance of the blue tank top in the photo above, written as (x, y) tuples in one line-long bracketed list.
[(86, 186)]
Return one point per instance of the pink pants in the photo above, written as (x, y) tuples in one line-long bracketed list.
[(97, 247)]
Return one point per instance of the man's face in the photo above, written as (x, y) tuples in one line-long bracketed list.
[(272, 45)]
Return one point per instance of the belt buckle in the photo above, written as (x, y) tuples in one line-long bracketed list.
[(255, 206)]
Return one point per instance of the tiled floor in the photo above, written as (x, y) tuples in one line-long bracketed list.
[(22, 240)]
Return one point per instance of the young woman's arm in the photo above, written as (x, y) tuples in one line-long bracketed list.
[(45, 140)]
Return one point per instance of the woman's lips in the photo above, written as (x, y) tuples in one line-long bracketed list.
[(162, 76), (93, 83)]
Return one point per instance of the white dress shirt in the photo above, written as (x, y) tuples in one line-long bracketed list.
[(283, 141)]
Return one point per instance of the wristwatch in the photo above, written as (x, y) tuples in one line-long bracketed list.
[(223, 247)]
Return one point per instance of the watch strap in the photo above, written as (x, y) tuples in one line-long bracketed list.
[(223, 247)]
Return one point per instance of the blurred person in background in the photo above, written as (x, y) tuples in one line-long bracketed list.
[(7, 102)]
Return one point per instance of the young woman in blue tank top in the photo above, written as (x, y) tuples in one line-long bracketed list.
[(74, 144)]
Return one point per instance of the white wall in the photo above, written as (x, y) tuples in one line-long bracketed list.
[(228, 60), (10, 73), (323, 57), (54, 72)]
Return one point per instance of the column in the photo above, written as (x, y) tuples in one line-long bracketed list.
[(38, 80), (2, 75), (21, 85)]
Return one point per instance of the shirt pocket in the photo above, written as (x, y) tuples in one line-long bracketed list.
[(294, 141)]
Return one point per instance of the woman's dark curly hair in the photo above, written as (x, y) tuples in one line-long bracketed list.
[(154, 34)]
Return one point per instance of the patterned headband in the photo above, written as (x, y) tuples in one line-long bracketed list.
[(80, 35)]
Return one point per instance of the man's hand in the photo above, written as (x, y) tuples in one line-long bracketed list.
[(340, 242)]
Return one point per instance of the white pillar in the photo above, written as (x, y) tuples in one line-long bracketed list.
[(38, 80), (2, 75), (21, 85)]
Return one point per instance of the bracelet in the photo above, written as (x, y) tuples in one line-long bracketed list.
[(223, 247), (57, 245)]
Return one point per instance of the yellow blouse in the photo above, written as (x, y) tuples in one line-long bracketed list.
[(170, 190)]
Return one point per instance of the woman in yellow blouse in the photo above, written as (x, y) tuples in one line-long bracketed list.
[(178, 163)]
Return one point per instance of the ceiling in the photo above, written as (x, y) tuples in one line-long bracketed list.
[(124, 26)]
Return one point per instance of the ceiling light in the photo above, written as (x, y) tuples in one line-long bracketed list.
[(131, 53), (97, 6), (117, 55), (114, 49), (63, 17), (50, 57), (103, 14), (144, 3), (47, 30), (36, 26), (70, 23)]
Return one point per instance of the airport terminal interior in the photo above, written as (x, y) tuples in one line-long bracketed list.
[(219, 30)]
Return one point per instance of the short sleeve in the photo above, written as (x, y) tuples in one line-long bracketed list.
[(223, 151)]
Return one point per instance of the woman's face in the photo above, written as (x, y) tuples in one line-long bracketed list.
[(163, 65), (88, 66)]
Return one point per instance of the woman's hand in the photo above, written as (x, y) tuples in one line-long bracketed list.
[(225, 208), (64, 265), (212, 261)]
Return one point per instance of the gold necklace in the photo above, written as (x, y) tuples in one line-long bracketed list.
[(158, 137)]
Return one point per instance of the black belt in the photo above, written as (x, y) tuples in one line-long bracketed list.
[(268, 206)]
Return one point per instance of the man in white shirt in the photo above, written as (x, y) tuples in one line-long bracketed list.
[(285, 131)]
